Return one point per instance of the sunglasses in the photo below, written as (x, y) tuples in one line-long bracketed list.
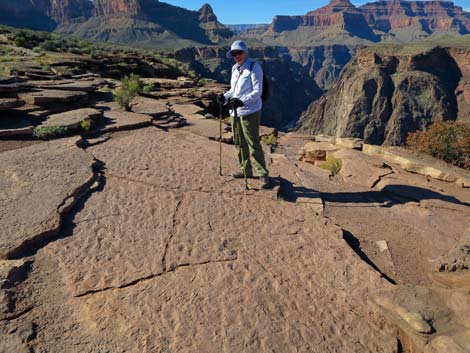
[(237, 52)]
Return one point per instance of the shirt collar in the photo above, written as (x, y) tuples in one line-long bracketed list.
[(244, 65)]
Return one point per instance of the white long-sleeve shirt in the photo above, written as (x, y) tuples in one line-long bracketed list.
[(247, 86)]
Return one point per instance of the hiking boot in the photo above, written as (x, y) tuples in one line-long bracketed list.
[(240, 175), (264, 182)]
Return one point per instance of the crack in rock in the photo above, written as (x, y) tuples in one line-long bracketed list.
[(153, 276)]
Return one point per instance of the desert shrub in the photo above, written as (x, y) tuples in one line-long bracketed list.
[(49, 132), (131, 86), (448, 141), (332, 164), (149, 88), (21, 41), (269, 139), (49, 45), (85, 125)]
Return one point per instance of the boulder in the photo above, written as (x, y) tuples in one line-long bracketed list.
[(453, 268), (72, 118), (52, 96), (348, 142), (43, 182), (431, 320), (314, 152)]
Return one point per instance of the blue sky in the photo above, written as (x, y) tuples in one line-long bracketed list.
[(262, 11)]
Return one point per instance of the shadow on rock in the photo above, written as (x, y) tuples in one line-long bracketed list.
[(391, 195)]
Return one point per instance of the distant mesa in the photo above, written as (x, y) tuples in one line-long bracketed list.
[(376, 21)]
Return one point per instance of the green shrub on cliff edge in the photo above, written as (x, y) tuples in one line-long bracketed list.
[(332, 164), (49, 132), (449, 141), (130, 88)]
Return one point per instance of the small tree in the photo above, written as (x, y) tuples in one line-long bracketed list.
[(449, 141), (130, 88)]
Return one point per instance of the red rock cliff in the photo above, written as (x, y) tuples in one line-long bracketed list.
[(429, 16)]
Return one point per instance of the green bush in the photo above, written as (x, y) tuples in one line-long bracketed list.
[(149, 88), (130, 88), (332, 164), (449, 141), (269, 139), (49, 132), (49, 45), (85, 125)]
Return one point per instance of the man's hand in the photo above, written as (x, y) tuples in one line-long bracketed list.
[(235, 103), (220, 98)]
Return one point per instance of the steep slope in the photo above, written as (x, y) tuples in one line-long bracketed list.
[(43, 14), (149, 23), (136, 22), (386, 92)]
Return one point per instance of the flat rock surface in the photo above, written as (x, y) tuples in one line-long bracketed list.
[(68, 85), (114, 119), (184, 260), (187, 109), (72, 118), (38, 184), (149, 106), (50, 96), (10, 103)]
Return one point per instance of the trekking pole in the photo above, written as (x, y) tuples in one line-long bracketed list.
[(220, 138), (239, 127)]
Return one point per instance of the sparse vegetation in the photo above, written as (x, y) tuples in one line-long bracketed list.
[(49, 132), (448, 141), (85, 125), (149, 88), (269, 139), (332, 164), (130, 88)]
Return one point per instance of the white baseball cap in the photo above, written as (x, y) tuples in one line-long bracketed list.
[(237, 45)]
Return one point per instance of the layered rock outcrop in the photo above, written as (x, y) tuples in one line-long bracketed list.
[(119, 21), (381, 96), (427, 16), (341, 15), (43, 14), (341, 22)]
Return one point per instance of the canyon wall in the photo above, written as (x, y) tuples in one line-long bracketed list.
[(383, 94)]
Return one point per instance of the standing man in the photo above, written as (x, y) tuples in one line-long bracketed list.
[(245, 92)]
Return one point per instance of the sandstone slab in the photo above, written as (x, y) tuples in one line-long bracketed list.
[(72, 119), (187, 109), (68, 85), (149, 106), (360, 168), (52, 96), (415, 165), (10, 103), (168, 83), (41, 181), (155, 248)]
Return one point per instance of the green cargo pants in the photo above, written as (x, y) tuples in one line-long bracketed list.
[(249, 144)]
